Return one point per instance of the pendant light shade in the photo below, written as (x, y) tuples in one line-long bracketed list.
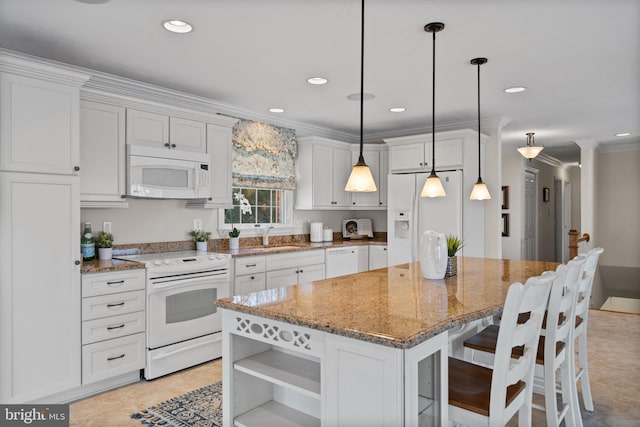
[(480, 190), (433, 186), (361, 179), (531, 150)]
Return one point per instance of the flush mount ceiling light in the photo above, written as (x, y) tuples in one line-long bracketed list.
[(276, 110), (515, 89), (176, 26), (531, 150), (361, 179), (317, 81), (480, 190), (397, 109), (623, 134), (433, 186), (357, 96)]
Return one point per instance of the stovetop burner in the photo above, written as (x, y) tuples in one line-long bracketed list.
[(180, 261)]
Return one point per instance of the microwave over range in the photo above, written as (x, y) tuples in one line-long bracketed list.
[(167, 174)]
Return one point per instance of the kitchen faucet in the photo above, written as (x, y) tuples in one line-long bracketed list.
[(265, 236)]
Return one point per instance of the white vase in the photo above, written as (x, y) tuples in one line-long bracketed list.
[(234, 243), (433, 255), (201, 246), (105, 253)]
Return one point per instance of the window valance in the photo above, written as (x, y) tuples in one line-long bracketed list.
[(264, 156)]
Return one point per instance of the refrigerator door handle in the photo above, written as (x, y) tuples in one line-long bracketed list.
[(415, 218)]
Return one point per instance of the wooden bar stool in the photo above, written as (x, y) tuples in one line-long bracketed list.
[(582, 318), (484, 396)]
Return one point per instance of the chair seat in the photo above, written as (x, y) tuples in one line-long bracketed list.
[(470, 387), (487, 339)]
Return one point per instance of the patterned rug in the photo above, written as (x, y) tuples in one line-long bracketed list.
[(198, 408)]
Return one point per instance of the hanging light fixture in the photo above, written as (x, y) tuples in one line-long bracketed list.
[(361, 179), (480, 190), (531, 150), (433, 186)]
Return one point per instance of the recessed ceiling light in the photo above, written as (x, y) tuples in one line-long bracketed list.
[(397, 109), (317, 80), (515, 89), (365, 96), (176, 26), (623, 134), (276, 110)]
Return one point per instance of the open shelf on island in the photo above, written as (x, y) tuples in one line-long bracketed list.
[(284, 369), (274, 414)]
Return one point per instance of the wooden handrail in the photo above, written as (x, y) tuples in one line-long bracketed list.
[(574, 240)]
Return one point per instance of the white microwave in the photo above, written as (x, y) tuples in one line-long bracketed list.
[(167, 174)]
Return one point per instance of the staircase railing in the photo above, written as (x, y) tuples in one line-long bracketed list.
[(574, 240)]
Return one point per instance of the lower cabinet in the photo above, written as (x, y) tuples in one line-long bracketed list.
[(377, 257), (341, 261), (249, 274), (113, 324)]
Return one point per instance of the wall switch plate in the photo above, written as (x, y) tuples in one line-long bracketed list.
[(197, 224), (106, 226)]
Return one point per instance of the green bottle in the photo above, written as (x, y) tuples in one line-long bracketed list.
[(87, 243)]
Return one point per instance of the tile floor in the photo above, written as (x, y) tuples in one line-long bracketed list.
[(614, 349)]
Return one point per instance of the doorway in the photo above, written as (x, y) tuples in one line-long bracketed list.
[(530, 240)]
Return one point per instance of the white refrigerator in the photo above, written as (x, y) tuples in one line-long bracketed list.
[(409, 215)]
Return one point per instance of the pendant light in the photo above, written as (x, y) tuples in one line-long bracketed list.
[(531, 150), (433, 186), (480, 190), (361, 179)]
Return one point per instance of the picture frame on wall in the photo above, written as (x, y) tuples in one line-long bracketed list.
[(545, 194), (505, 225), (505, 197)]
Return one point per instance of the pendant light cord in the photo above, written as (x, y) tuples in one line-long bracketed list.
[(361, 158), (479, 172), (433, 110)]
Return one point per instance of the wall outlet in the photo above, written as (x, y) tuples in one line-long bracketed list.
[(197, 224), (106, 226)]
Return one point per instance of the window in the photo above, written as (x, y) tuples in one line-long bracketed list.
[(253, 207)]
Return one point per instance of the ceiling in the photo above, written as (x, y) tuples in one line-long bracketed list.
[(578, 59)]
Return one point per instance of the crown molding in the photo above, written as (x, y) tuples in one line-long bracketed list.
[(549, 160), (619, 147), (13, 62)]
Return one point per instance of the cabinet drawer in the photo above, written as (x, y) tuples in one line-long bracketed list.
[(111, 305), (295, 259), (249, 283), (112, 282), (109, 358), (250, 264), (112, 327)]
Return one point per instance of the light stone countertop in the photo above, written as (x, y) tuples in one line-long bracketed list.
[(393, 306), (279, 248), (105, 265)]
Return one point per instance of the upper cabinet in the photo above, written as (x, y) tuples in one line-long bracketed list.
[(39, 117), (414, 153), (162, 131), (322, 170), (102, 155), (377, 158)]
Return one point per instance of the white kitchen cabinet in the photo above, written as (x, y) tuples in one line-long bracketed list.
[(113, 324), (377, 257), (39, 117), (414, 153), (249, 274), (322, 170), (40, 336), (163, 131), (102, 155), (376, 156), (363, 257), (341, 261), (291, 268)]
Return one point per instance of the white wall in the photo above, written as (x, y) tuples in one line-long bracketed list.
[(576, 185), (513, 165)]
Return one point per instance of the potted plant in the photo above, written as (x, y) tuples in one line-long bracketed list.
[(234, 239), (104, 242), (201, 237), (454, 244)]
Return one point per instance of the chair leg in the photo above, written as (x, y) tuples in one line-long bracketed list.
[(584, 367), (550, 401), (570, 394)]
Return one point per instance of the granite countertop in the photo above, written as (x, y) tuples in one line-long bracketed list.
[(105, 265), (393, 306), (297, 247)]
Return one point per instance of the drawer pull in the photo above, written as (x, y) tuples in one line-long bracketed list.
[(253, 278), (116, 304), (117, 282), (110, 328), (115, 358), (250, 265)]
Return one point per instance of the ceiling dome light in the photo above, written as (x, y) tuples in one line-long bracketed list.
[(317, 81), (515, 89), (276, 110), (623, 134), (531, 150), (365, 96), (176, 26), (397, 109)]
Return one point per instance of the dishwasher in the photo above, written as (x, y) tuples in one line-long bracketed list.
[(341, 261)]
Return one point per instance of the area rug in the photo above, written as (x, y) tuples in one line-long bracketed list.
[(198, 408)]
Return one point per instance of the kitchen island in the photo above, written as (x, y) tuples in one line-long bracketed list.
[(364, 349)]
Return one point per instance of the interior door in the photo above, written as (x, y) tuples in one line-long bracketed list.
[(529, 251)]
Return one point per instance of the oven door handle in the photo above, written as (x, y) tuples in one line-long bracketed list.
[(180, 283)]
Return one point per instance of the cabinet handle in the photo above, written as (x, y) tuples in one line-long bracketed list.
[(115, 305), (384, 249), (250, 265), (301, 271), (420, 163), (77, 262), (173, 145), (253, 277), (380, 203), (166, 144), (117, 282), (353, 203), (110, 328), (115, 358), (76, 168), (123, 196)]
